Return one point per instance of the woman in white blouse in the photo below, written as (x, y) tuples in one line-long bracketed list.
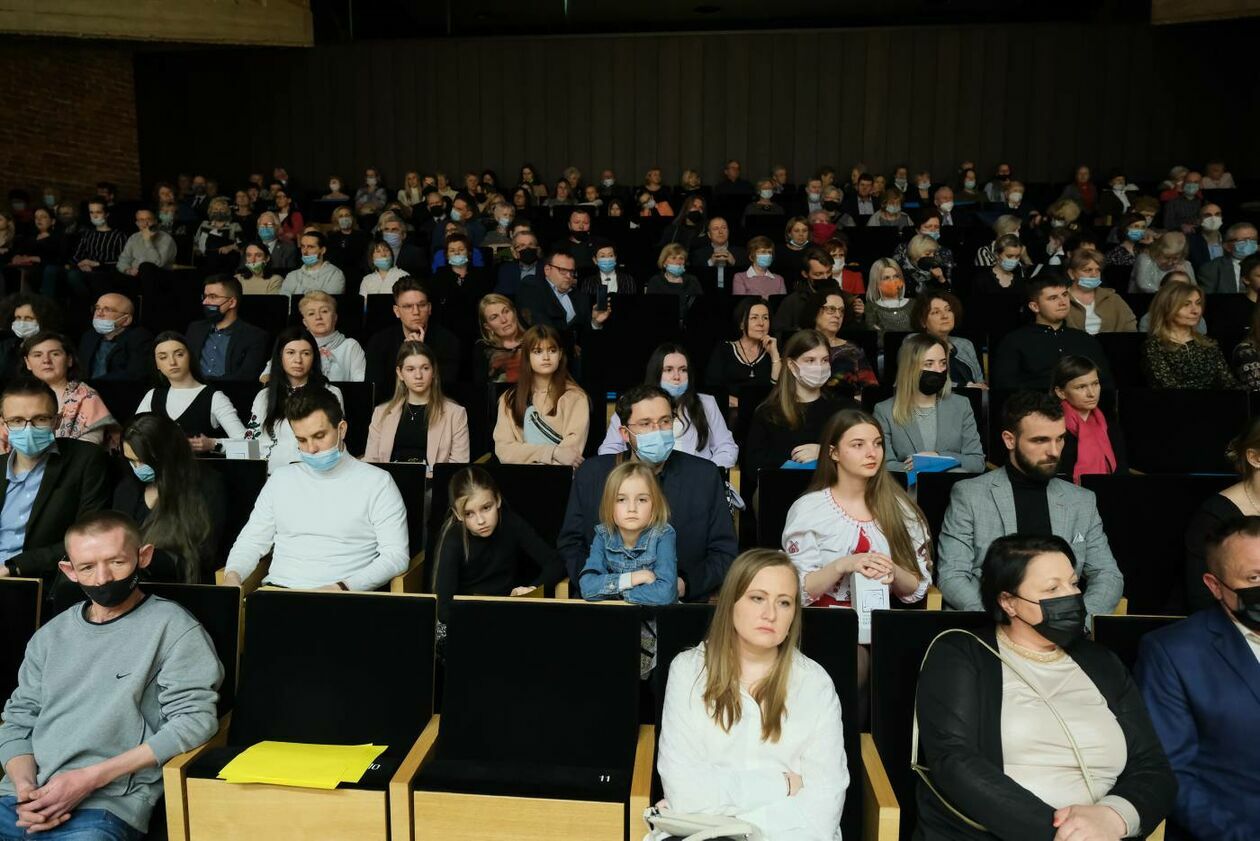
[(752, 728), (205, 414), (699, 427), (384, 274), (294, 356)]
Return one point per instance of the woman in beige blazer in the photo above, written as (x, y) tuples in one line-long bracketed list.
[(418, 413), (545, 417)]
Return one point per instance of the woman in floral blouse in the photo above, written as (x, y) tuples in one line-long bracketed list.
[(1175, 355), (850, 370), (81, 412)]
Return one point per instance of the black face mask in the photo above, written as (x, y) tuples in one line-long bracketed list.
[(438, 212), (580, 236), (1062, 619), (831, 206), (1248, 612), (115, 592), (212, 312), (528, 256), (695, 217), (931, 382)]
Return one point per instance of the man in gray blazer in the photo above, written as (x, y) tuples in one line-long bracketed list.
[(1024, 497), (1224, 274)]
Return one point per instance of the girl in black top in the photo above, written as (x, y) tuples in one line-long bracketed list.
[(347, 244), (485, 548), (788, 425)]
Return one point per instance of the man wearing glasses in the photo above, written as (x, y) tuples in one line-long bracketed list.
[(228, 347), (556, 300), (47, 483), (413, 308), (116, 348), (693, 486)]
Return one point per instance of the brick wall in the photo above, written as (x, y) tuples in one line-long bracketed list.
[(69, 118)]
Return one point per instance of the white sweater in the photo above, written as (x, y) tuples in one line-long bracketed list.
[(281, 448), (322, 278), (736, 774), (374, 284), (348, 524)]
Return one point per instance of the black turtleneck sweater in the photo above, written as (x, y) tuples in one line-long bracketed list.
[(1032, 506)]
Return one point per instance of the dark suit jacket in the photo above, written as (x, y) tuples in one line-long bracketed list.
[(537, 303), (697, 509), (382, 354), (704, 250), (1201, 684), (1217, 277), (284, 258), (960, 738), (75, 483), (508, 281), (131, 357), (248, 351)]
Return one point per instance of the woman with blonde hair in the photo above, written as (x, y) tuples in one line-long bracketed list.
[(410, 195), (1167, 253), (887, 306), (1175, 354), (545, 417), (890, 214), (418, 424), (1005, 225), (752, 729), (673, 277), (500, 344), (923, 417), (925, 267)]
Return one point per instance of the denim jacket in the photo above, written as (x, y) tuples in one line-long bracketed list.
[(610, 559)]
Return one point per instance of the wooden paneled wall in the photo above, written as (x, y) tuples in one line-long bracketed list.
[(1044, 97)]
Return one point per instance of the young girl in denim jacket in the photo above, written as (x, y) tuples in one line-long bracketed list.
[(633, 555)]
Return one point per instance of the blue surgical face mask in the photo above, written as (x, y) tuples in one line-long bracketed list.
[(166, 217), (266, 233), (1244, 248), (145, 473), (675, 269), (933, 234), (1135, 234), (764, 260), (382, 263), (344, 222), (766, 194), (1190, 188), (606, 264), (1010, 263), (104, 326), (1089, 282), (32, 441), (655, 446), (393, 239), (458, 260), (674, 391), (322, 461), (456, 216), (310, 259)]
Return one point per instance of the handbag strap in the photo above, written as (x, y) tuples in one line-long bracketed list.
[(922, 770)]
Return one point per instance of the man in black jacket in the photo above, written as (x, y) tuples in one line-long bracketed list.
[(412, 308), (227, 347), (693, 486), (556, 300), (1026, 357), (48, 482), (409, 256), (117, 348)]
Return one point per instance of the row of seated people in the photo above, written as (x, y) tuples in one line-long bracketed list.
[(733, 743)]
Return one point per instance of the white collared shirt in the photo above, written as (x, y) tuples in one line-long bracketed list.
[(1252, 638), (609, 280)]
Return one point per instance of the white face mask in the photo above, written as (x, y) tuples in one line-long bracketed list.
[(1016, 197), (1211, 223), (813, 376), (947, 206)]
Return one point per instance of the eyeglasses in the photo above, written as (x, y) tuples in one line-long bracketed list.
[(640, 427), (831, 309), (562, 271), (39, 422), (413, 307)]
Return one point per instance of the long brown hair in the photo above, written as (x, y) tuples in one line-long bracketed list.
[(782, 405), (889, 504), (436, 401), (518, 396), (909, 364), (721, 653)]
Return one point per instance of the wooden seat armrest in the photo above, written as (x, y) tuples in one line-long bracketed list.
[(934, 598), (174, 774), (401, 804), (411, 581), (641, 780), (881, 813), (255, 579), (562, 589)]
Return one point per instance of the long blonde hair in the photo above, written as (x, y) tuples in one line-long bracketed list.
[(888, 503), (489, 301), (909, 364), (721, 653), (436, 401), (781, 404), (1170, 298)]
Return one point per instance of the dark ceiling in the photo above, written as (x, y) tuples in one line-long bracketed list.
[(340, 21)]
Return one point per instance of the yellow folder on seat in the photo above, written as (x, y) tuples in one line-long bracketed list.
[(302, 765)]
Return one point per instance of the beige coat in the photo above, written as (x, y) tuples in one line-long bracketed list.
[(572, 420), (448, 438)]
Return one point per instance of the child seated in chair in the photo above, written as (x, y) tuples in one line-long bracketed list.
[(487, 549), (633, 554)]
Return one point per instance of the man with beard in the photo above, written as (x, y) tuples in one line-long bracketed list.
[(1025, 497)]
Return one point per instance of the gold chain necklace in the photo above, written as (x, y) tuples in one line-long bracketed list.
[(1030, 653)]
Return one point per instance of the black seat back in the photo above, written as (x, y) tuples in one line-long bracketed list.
[(776, 491), (218, 609), (19, 617), (1123, 634), (1151, 550), (245, 479), (1217, 417), (509, 699), (411, 482), (358, 403), (933, 497), (335, 668), (899, 640)]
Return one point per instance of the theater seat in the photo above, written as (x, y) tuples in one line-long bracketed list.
[(506, 761), (20, 600), (1209, 419), (307, 676), (777, 490), (1123, 634), (221, 613)]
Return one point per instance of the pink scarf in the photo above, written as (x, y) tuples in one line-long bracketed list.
[(1093, 445)]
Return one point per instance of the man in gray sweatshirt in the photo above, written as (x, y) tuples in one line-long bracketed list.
[(107, 693)]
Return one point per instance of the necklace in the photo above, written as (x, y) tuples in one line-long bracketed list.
[(411, 412), (1030, 653), (1251, 499)]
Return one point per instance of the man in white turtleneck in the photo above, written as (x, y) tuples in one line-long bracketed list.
[(331, 521)]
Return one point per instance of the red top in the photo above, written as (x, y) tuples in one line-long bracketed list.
[(863, 545)]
